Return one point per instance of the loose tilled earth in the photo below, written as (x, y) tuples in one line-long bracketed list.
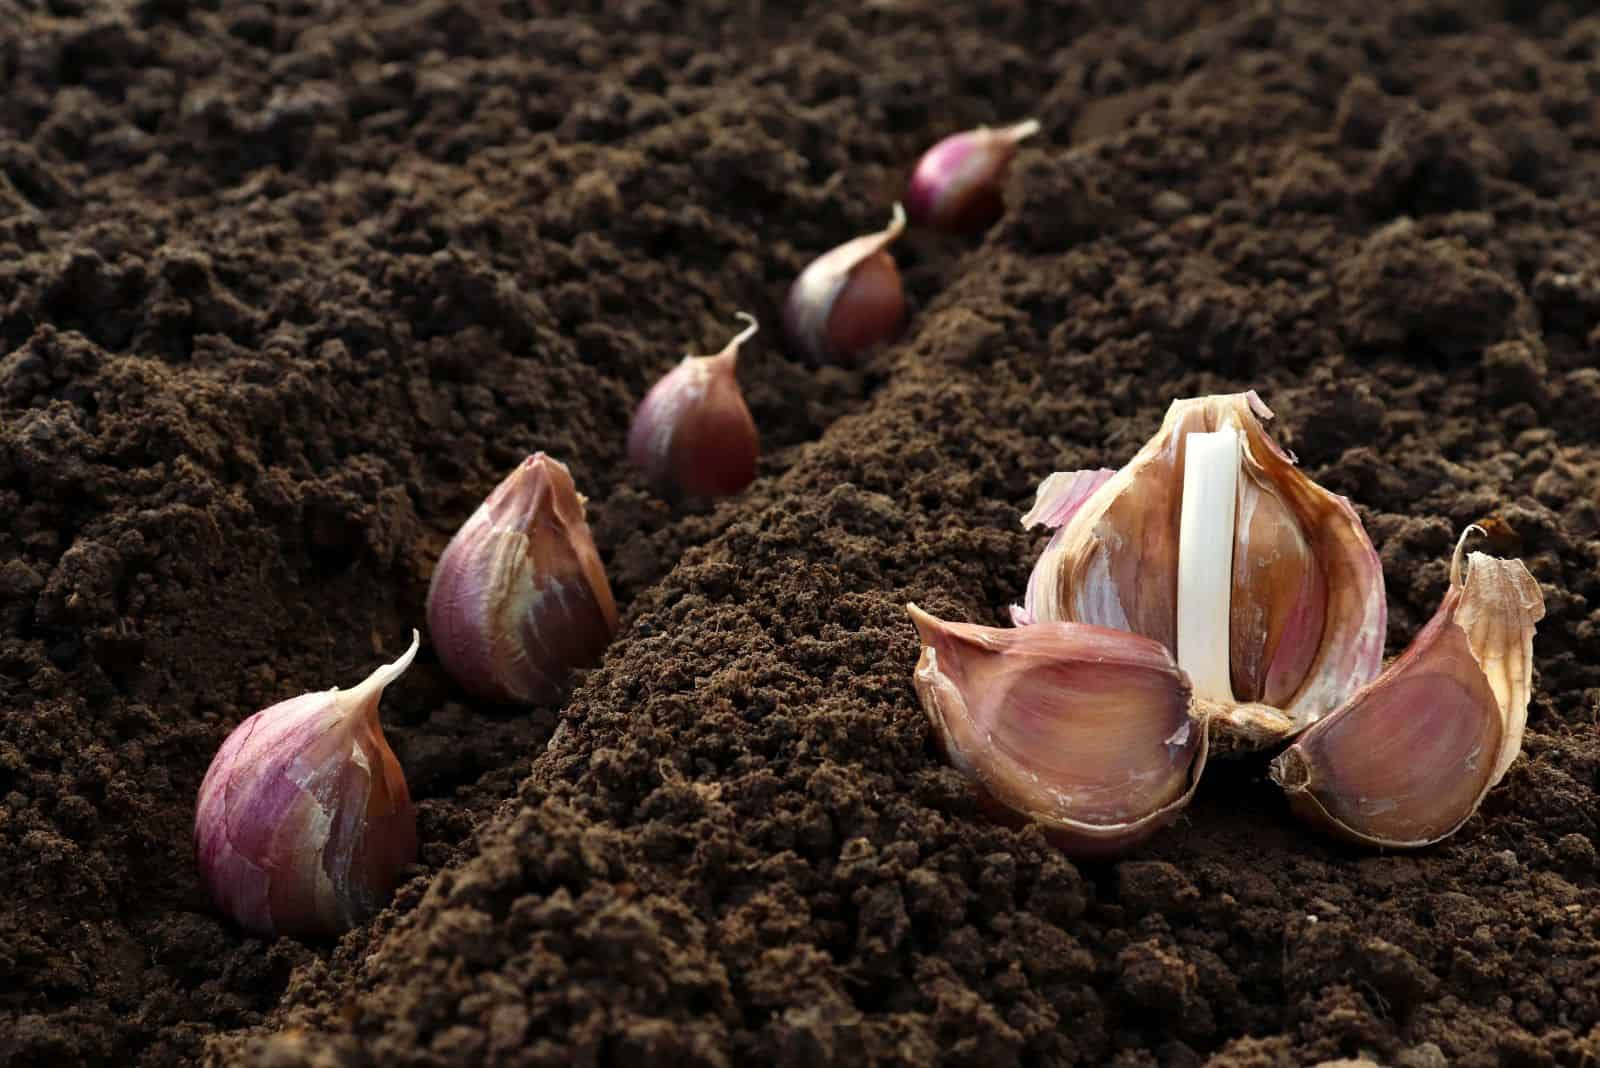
[(286, 287)]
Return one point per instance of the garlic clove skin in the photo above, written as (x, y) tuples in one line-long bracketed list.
[(1057, 500), (1306, 614), (1085, 730), (1314, 578), (956, 185), (693, 434), (519, 598), (848, 300), (1407, 760), (1499, 619), (304, 825)]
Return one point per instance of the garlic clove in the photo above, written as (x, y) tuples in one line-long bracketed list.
[(849, 299), (519, 597), (1279, 599), (1304, 613), (1407, 760), (692, 434), (1085, 730), (956, 185), (303, 824), (1345, 651)]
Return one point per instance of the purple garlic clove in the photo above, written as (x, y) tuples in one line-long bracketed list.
[(1084, 730), (692, 434), (956, 187), (848, 300), (304, 825), (1407, 760), (519, 597)]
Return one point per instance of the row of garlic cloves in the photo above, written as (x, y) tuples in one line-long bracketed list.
[(693, 435), (304, 824), (1210, 597)]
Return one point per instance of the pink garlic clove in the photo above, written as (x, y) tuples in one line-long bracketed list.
[(304, 825), (848, 300), (519, 597), (957, 183), (1279, 598), (1344, 650), (1085, 730), (1407, 760), (692, 434)]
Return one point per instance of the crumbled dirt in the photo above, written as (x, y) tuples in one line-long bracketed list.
[(285, 287)]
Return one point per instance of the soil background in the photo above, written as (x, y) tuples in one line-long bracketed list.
[(286, 287)]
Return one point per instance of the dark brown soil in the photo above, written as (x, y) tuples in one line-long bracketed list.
[(286, 286)]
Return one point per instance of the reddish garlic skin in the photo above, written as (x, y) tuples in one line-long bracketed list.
[(693, 434), (519, 597), (848, 300), (303, 824), (717, 456), (870, 310), (956, 187)]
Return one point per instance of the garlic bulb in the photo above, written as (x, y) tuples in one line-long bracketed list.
[(1408, 760), (1085, 730), (1273, 601), (1210, 548), (519, 597), (304, 824)]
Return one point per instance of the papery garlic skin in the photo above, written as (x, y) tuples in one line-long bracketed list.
[(1410, 757), (519, 598), (849, 299), (1499, 619), (304, 825), (693, 434), (1085, 730), (1307, 606), (956, 185)]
